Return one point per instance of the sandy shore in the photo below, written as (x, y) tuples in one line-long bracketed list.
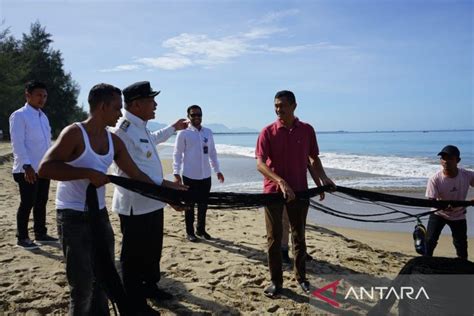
[(226, 275)]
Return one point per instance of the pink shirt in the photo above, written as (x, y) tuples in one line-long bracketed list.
[(286, 151), (441, 187)]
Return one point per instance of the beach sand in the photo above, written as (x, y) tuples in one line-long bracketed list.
[(224, 276)]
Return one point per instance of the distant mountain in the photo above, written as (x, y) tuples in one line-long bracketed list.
[(153, 126), (216, 128)]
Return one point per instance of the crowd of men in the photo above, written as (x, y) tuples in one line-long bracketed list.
[(119, 138)]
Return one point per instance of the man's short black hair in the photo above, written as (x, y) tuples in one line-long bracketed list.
[(34, 84), (194, 107), (101, 92), (290, 96)]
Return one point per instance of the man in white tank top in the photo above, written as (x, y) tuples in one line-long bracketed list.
[(79, 157)]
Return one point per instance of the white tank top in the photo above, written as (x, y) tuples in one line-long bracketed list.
[(72, 194)]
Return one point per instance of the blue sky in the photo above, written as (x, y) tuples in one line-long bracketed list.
[(353, 65)]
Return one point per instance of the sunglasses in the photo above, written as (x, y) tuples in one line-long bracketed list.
[(196, 115)]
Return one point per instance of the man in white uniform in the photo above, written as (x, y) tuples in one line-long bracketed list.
[(141, 218)]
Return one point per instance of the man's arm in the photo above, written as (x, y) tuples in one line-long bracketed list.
[(17, 134), (163, 134), (213, 158), (282, 184), (54, 166), (126, 164), (315, 176), (179, 147), (318, 170)]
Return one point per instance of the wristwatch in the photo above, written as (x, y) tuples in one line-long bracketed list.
[(25, 166)]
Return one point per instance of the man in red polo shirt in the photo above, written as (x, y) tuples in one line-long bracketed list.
[(286, 149)]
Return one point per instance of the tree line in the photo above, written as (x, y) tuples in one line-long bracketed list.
[(33, 58)]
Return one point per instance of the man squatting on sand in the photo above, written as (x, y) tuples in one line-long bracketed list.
[(141, 218), (285, 150), (80, 156)]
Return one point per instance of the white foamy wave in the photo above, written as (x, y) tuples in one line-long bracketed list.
[(383, 183), (223, 149), (381, 165), (248, 187)]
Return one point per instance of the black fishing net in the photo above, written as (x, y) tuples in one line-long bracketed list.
[(447, 282), (231, 200)]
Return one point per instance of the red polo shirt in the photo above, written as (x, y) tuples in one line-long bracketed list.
[(286, 152)]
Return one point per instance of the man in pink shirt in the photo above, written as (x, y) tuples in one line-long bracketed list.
[(285, 150), (450, 183)]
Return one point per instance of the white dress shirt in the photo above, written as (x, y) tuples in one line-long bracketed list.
[(190, 153), (30, 134), (141, 145)]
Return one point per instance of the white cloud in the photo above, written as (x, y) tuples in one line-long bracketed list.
[(128, 67), (277, 15), (168, 62), (188, 49), (261, 32)]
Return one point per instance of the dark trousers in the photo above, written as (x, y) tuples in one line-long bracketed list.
[(74, 229), (458, 231), (140, 256), (32, 196), (201, 188), (297, 211)]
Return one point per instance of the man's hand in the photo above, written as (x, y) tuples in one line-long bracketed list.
[(181, 124), (287, 191), (220, 177), (321, 196), (175, 185), (30, 175), (97, 178), (177, 179), (329, 182), (177, 208)]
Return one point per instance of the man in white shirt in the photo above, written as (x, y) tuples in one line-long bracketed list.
[(31, 137), (195, 152), (141, 218)]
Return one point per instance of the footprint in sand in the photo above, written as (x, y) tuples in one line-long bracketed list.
[(214, 271)]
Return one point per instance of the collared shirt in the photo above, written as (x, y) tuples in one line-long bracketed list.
[(442, 187), (141, 145), (194, 150), (30, 134), (286, 151)]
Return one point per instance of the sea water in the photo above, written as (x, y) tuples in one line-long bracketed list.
[(393, 162)]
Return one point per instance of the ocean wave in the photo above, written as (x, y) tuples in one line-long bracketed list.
[(404, 167)]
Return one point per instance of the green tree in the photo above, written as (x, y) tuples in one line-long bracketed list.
[(12, 74), (45, 64), (33, 58)]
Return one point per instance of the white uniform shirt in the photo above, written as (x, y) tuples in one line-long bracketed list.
[(194, 150), (141, 145), (30, 134)]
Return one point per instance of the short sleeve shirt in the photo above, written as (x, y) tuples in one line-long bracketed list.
[(286, 151), (441, 187)]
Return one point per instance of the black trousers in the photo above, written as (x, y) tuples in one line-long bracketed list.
[(202, 189), (32, 196), (74, 229), (458, 231), (142, 244)]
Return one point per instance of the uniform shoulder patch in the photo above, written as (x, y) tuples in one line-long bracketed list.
[(124, 126)]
